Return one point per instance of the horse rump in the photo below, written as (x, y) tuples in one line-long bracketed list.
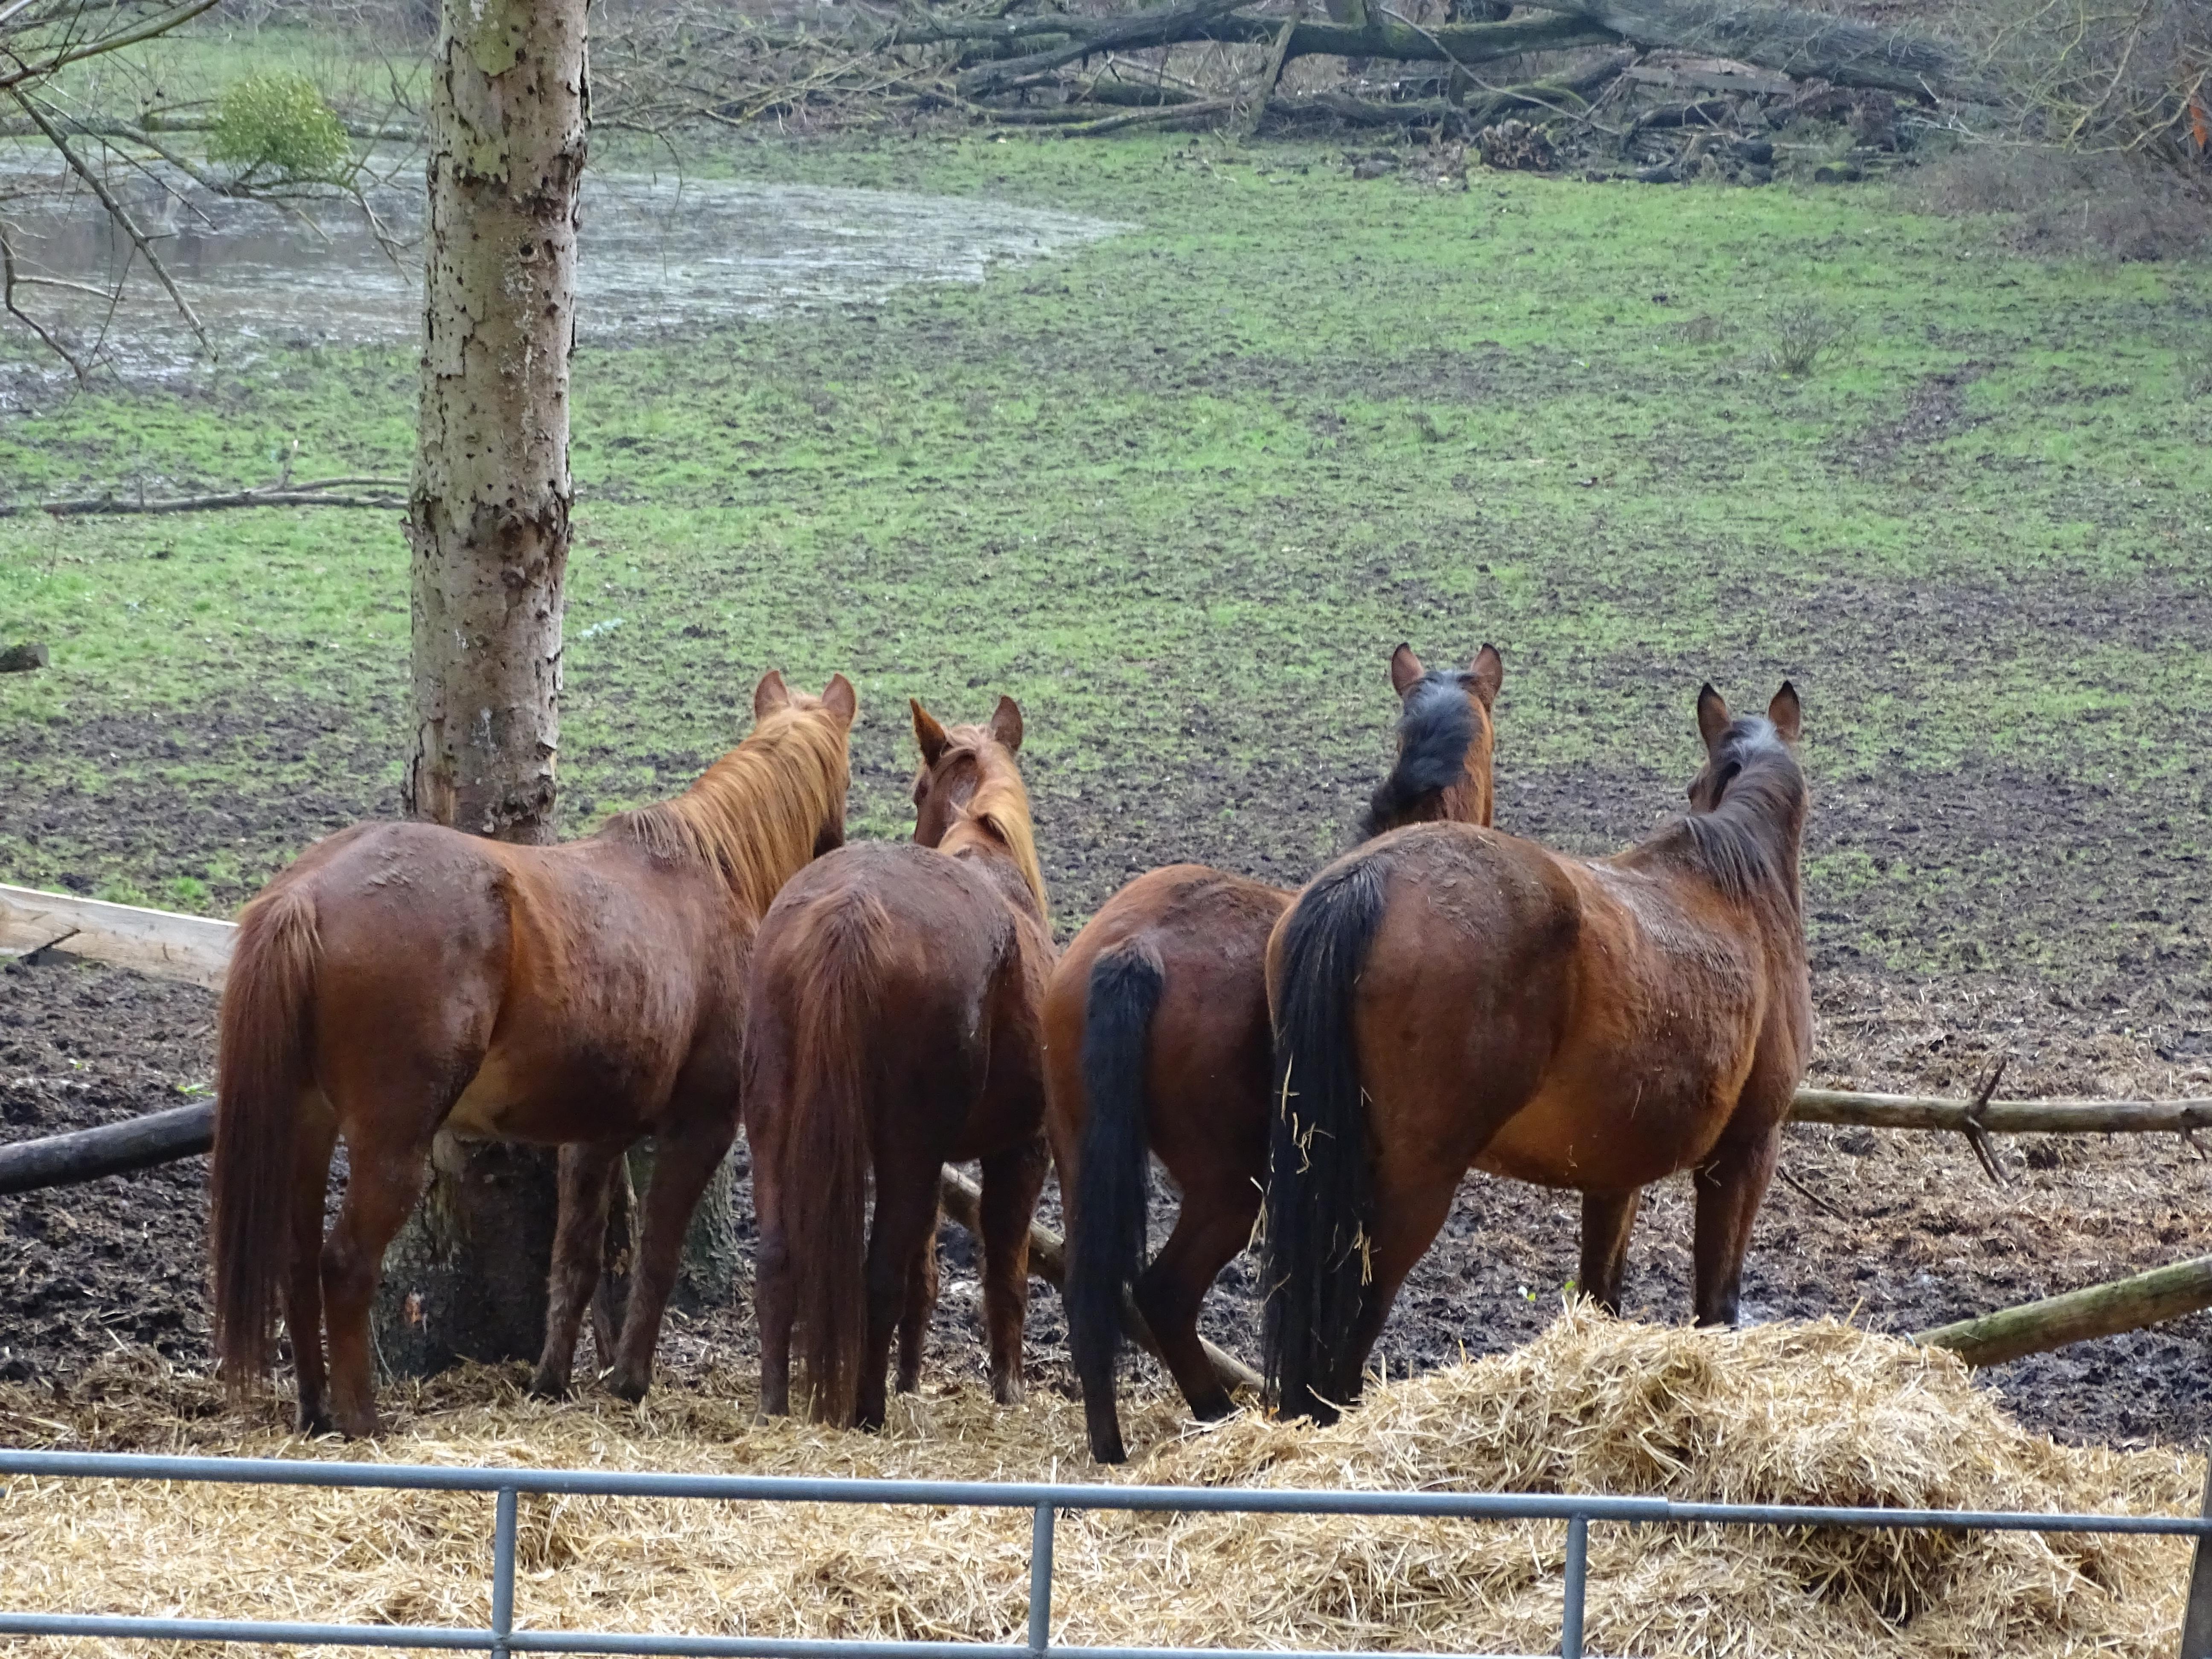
[(1106, 1230), (1320, 1202), (262, 1067)]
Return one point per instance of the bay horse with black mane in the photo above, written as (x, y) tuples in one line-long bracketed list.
[(894, 1028), (1449, 997), (1156, 1037), (402, 978)]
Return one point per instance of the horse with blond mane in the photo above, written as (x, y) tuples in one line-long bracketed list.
[(894, 1028), (402, 978)]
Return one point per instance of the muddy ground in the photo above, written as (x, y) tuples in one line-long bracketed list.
[(1898, 1231)]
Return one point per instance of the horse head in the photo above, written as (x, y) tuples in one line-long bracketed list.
[(1445, 738), (834, 712), (1736, 744)]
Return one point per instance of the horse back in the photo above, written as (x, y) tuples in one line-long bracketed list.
[(1209, 1036), (569, 986)]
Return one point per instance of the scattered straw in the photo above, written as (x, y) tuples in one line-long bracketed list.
[(1811, 1414)]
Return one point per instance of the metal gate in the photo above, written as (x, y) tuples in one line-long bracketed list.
[(1044, 1501)]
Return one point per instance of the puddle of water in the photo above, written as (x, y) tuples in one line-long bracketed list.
[(658, 257)]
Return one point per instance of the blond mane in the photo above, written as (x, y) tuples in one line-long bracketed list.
[(998, 812), (756, 814)]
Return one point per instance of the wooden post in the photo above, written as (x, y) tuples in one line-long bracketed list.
[(2197, 1612)]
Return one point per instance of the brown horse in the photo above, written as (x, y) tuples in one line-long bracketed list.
[(401, 978), (895, 1028), (1449, 997), (1157, 1035)]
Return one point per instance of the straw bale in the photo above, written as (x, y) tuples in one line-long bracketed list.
[(1788, 1413)]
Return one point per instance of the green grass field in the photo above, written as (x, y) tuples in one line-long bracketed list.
[(1182, 492)]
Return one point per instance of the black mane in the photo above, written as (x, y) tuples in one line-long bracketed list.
[(1433, 735), (1748, 841)]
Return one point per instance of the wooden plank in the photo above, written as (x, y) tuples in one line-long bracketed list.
[(137, 1143), (2107, 1310), (2001, 1116), (160, 942)]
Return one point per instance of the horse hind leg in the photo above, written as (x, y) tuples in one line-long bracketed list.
[(1607, 1219), (1011, 1181), (303, 1280), (1406, 1221), (1728, 1186), (1211, 1227), (905, 1225), (914, 1317), (587, 1170), (684, 1161), (385, 1180)]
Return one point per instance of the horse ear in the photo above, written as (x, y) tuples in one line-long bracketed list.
[(1007, 724), (928, 735), (1406, 669), (1489, 672), (1713, 716), (840, 699), (770, 695), (1786, 714)]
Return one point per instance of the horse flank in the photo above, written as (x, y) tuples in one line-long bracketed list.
[(757, 813), (998, 816)]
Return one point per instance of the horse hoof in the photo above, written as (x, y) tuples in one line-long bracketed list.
[(544, 1385), (625, 1387), (1007, 1391), (359, 1426), (314, 1422), (1214, 1410), (1109, 1451)]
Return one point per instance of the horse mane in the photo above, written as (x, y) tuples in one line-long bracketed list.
[(998, 812), (1435, 730), (756, 814), (1744, 844)]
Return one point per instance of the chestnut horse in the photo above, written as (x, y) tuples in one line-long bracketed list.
[(894, 1028), (1157, 1035), (1450, 998), (401, 978)]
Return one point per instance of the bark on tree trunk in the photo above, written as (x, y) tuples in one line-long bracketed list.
[(487, 520)]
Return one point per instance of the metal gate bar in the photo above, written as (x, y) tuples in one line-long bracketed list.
[(1043, 1499)]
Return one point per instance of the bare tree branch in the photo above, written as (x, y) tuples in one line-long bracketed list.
[(116, 211)]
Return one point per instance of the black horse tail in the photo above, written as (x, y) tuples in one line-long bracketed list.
[(1106, 1233), (1320, 1203)]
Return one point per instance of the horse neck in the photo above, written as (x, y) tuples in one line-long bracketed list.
[(992, 830), (1769, 804), (1470, 799), (756, 814)]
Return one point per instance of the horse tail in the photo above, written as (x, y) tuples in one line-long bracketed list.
[(262, 1067), (1106, 1233), (1320, 1204), (825, 1151)]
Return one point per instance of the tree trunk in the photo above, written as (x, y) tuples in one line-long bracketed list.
[(487, 520)]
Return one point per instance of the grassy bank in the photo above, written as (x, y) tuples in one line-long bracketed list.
[(1181, 493)]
